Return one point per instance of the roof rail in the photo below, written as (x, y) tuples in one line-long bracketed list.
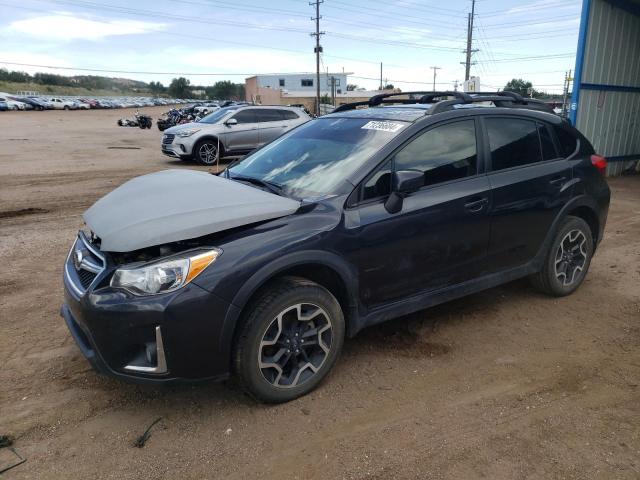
[(425, 97), (500, 99)]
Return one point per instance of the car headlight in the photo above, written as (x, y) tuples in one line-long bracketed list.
[(165, 275), (188, 133)]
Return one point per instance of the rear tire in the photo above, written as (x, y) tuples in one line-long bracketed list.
[(568, 259), (291, 338)]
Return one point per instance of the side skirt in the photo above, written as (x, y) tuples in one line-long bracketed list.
[(435, 297)]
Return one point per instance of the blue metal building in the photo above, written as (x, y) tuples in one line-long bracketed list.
[(605, 105)]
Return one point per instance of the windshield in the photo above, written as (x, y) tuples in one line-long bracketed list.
[(217, 115), (315, 158)]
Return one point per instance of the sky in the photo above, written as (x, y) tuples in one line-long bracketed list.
[(211, 40)]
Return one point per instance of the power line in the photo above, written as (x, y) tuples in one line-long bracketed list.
[(213, 39)]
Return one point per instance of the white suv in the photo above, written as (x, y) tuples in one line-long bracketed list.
[(233, 130)]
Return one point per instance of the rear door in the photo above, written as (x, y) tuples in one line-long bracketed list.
[(243, 136), (441, 235), (530, 183), (272, 124)]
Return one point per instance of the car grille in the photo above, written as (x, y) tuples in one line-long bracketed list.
[(168, 138), (84, 265)]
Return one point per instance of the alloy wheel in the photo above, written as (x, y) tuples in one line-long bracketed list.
[(571, 257), (208, 153), (295, 345)]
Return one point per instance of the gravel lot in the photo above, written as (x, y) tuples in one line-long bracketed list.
[(505, 384)]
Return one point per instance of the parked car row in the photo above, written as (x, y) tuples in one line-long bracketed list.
[(40, 102)]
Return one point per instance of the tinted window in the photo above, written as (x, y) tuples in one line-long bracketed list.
[(306, 83), (217, 115), (513, 142), (289, 115), (379, 185), (548, 148), (443, 153), (246, 116), (268, 115), (281, 82), (566, 141)]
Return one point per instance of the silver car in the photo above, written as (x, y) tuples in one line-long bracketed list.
[(230, 131)]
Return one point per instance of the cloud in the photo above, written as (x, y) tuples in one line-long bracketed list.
[(68, 27)]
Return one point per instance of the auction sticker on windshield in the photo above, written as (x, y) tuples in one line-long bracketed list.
[(383, 126)]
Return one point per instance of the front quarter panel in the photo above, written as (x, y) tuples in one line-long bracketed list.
[(247, 251)]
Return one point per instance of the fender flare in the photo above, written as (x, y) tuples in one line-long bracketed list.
[(346, 272), (579, 201)]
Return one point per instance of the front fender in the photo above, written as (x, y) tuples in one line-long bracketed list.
[(345, 271)]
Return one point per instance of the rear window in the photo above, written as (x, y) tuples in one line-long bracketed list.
[(289, 115), (566, 140), (514, 142), (268, 115)]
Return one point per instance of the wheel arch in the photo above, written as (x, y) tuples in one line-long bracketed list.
[(210, 136), (324, 268), (589, 215), (581, 206)]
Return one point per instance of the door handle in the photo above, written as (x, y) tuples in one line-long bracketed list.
[(476, 205), (557, 180)]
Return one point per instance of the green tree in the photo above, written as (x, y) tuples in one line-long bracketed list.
[(226, 90), (388, 86), (156, 88), (180, 88), (351, 87), (520, 86)]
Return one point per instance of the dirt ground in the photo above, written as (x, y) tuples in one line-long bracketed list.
[(505, 384)]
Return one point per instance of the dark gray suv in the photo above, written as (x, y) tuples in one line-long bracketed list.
[(233, 130)]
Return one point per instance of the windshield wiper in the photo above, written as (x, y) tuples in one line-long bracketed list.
[(272, 187), (226, 170)]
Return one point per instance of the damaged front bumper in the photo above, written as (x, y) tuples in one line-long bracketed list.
[(162, 338)]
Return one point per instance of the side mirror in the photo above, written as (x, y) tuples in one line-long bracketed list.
[(230, 122), (407, 181), (403, 183)]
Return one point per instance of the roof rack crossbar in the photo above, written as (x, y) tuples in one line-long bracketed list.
[(500, 99)]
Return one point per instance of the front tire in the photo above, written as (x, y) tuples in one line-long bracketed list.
[(206, 152), (291, 338), (568, 259)]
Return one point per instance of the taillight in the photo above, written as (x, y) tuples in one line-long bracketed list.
[(600, 163)]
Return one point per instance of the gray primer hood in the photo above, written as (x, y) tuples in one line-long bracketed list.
[(175, 205)]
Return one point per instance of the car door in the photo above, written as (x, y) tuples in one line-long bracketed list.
[(440, 236), (272, 124), (529, 182), (244, 135)]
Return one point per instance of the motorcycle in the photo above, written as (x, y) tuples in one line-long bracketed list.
[(176, 117), (139, 120)]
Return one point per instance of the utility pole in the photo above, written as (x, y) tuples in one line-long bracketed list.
[(469, 51), (333, 90), (435, 69), (565, 94), (317, 50), (381, 84)]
